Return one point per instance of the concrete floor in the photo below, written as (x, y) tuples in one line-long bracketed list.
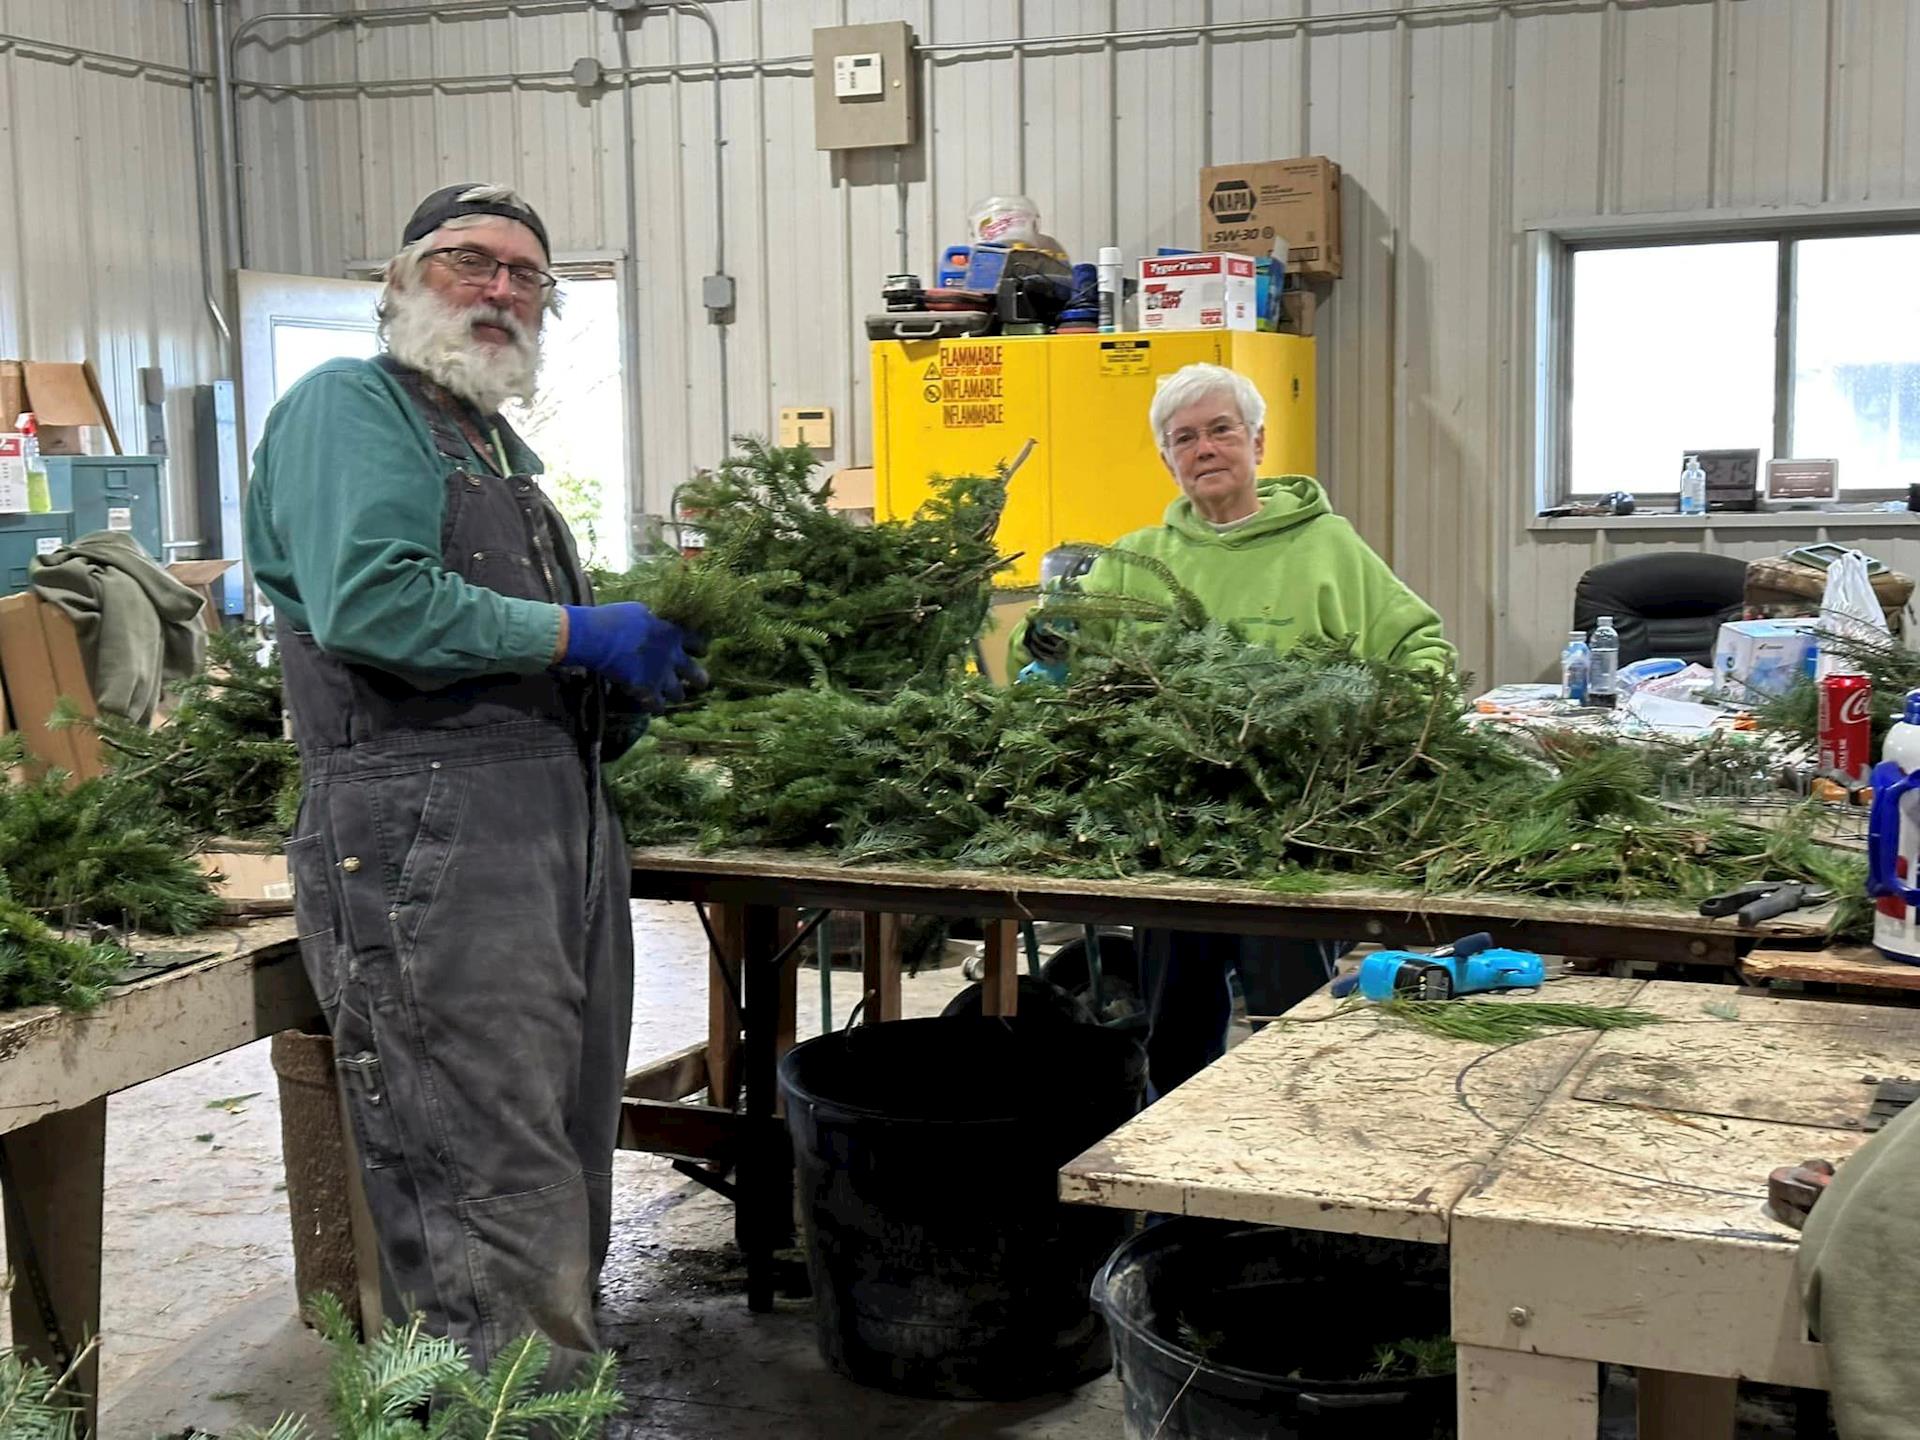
[(198, 1315), (198, 1320)]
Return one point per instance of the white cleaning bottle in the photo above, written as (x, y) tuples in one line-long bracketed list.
[(1893, 840)]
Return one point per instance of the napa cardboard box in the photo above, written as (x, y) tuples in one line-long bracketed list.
[(1198, 292), (1250, 208), (66, 400)]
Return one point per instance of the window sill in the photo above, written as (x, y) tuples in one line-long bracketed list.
[(1735, 520)]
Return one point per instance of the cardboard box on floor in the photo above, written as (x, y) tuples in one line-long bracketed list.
[(1248, 208), (42, 665), (66, 400)]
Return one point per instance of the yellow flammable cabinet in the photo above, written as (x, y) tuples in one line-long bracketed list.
[(959, 407)]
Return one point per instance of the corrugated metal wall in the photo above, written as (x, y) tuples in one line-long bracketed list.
[(99, 248), (1453, 133)]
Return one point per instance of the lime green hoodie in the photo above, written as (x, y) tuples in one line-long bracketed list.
[(1293, 571)]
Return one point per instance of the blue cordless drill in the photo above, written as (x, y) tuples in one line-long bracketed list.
[(1470, 966)]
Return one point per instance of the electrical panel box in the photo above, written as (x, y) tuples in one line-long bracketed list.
[(863, 86), (811, 427)]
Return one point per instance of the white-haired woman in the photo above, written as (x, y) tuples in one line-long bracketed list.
[(1271, 555)]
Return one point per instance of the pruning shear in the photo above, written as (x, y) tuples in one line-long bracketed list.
[(1764, 899)]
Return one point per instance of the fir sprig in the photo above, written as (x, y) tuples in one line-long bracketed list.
[(379, 1389), (791, 593)]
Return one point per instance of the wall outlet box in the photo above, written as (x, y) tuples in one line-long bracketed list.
[(811, 426), (855, 76), (863, 86)]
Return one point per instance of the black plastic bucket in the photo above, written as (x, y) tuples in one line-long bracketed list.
[(1256, 1333), (928, 1150)]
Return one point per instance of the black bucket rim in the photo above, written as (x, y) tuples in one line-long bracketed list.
[(795, 1091), (1159, 1237)]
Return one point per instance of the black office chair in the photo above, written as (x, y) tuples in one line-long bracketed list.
[(1669, 603)]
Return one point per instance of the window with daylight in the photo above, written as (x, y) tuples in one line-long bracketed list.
[(577, 423), (1801, 344)]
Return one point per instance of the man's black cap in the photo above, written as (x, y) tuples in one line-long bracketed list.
[(445, 204)]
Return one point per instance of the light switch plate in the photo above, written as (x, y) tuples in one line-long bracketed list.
[(879, 56)]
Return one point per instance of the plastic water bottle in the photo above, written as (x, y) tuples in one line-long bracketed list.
[(1109, 282), (1603, 683), (1893, 839), (1575, 666), (39, 494), (1693, 488)]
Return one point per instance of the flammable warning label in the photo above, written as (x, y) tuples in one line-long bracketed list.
[(1126, 357), (972, 393)]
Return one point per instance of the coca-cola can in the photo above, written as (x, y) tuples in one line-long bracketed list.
[(1846, 727)]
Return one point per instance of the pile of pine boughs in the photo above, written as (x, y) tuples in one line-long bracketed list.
[(1182, 749), (791, 593), (221, 765), (79, 862)]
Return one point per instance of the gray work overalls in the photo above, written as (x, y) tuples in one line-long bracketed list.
[(461, 893)]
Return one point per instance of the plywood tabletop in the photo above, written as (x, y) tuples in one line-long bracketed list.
[(1675, 1127), (1349, 1123)]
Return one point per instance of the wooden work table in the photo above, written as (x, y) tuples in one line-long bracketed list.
[(754, 899), (1603, 1194), (194, 996)]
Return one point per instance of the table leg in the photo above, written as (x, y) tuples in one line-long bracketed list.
[(764, 1210), (723, 1015), (1686, 1407), (880, 966), (57, 1167), (1505, 1394), (1001, 985)]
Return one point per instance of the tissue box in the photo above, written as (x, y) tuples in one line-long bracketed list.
[(1760, 659)]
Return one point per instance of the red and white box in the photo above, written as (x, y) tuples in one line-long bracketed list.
[(13, 474), (1198, 292)]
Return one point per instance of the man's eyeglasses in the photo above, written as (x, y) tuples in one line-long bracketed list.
[(1220, 432), (473, 267)]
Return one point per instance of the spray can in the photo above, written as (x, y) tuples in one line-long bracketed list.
[(1109, 289), (1893, 839)]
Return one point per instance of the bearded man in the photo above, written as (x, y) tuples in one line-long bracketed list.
[(460, 878)]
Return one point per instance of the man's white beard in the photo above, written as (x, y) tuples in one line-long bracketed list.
[(437, 339)]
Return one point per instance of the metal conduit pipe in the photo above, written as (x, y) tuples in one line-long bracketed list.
[(200, 179), (719, 319), (630, 298), (1280, 24), (229, 145), (62, 51)]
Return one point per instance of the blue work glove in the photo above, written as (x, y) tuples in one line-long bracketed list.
[(633, 647)]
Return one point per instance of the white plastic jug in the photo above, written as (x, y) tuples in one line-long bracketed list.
[(1893, 840)]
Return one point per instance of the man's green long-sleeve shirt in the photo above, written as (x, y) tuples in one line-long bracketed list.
[(343, 521)]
